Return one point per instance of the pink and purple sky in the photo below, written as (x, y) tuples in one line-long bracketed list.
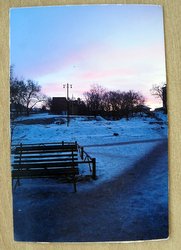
[(120, 47)]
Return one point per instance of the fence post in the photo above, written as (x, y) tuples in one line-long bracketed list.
[(94, 168)]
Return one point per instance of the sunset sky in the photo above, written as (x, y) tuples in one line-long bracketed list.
[(120, 47)]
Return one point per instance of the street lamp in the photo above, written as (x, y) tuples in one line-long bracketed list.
[(67, 86)]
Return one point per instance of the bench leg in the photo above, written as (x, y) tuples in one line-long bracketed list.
[(94, 168), (75, 187)]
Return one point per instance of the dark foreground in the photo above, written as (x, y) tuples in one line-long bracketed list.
[(133, 206)]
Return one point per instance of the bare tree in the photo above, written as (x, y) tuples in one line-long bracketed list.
[(32, 95), (157, 90), (131, 101), (94, 99), (24, 95), (112, 102)]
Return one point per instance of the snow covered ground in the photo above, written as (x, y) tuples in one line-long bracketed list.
[(131, 160)]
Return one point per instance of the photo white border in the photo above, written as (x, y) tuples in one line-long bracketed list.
[(172, 24)]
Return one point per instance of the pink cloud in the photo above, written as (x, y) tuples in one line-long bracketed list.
[(101, 60), (92, 75), (52, 89), (113, 68)]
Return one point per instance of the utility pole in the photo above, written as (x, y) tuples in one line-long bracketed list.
[(67, 86)]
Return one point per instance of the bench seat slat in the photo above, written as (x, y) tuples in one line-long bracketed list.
[(45, 151), (45, 165), (61, 143), (32, 148), (44, 160), (45, 155)]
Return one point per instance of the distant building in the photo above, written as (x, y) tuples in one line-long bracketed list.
[(59, 105)]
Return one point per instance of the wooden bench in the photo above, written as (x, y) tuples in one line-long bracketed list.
[(49, 160)]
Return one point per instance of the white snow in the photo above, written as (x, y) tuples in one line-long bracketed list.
[(111, 159), (115, 156)]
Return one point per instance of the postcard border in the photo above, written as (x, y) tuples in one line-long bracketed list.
[(172, 24)]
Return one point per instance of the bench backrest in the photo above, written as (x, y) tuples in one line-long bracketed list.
[(45, 156)]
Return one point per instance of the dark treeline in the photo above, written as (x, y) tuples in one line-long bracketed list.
[(115, 104), (99, 101), (26, 94)]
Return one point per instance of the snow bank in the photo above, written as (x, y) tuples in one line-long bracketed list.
[(112, 155)]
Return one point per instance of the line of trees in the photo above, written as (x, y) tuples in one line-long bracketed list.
[(100, 101), (26, 94), (110, 104)]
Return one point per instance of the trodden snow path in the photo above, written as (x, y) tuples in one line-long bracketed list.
[(129, 206)]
